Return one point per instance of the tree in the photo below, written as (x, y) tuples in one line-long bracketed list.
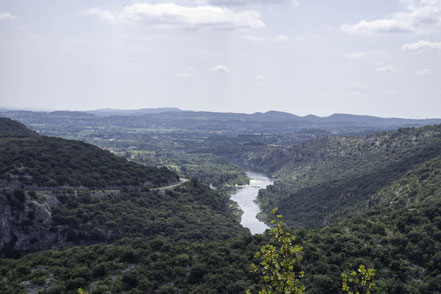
[(278, 262), (359, 283)]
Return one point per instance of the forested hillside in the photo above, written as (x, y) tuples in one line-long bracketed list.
[(42, 220), (51, 162), (371, 200), (329, 178), (11, 128), (212, 146), (50, 198), (402, 244), (220, 147)]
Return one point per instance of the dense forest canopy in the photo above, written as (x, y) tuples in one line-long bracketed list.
[(326, 179), (52, 162), (44, 202), (402, 244), (11, 128)]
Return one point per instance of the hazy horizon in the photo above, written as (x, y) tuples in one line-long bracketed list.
[(380, 58), (12, 108)]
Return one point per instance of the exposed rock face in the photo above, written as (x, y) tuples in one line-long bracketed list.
[(25, 223)]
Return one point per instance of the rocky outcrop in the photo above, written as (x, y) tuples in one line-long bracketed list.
[(26, 222)]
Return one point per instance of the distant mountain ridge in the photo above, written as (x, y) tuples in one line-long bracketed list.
[(57, 122), (141, 111), (336, 117)]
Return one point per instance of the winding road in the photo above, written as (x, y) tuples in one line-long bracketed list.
[(172, 186)]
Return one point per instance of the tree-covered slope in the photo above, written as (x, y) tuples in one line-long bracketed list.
[(328, 178), (402, 244), (420, 183), (12, 128), (56, 192), (31, 221), (50, 162)]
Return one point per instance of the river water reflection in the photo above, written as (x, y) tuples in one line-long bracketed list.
[(245, 198)]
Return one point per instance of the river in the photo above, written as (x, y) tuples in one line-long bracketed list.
[(245, 198)]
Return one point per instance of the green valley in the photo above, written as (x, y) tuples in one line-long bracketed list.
[(58, 192), (77, 216), (220, 147)]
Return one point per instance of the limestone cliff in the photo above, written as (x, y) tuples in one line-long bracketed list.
[(25, 222)]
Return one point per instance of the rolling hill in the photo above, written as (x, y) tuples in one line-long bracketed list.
[(72, 123), (329, 178), (56, 192), (11, 128)]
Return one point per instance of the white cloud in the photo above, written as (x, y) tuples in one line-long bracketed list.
[(424, 72), (248, 2), (173, 15), (421, 45), (6, 16), (261, 78), (356, 55), (419, 16), (220, 68), (387, 68), (254, 38), (282, 38), (377, 26)]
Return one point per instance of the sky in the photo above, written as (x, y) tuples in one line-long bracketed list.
[(318, 57)]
